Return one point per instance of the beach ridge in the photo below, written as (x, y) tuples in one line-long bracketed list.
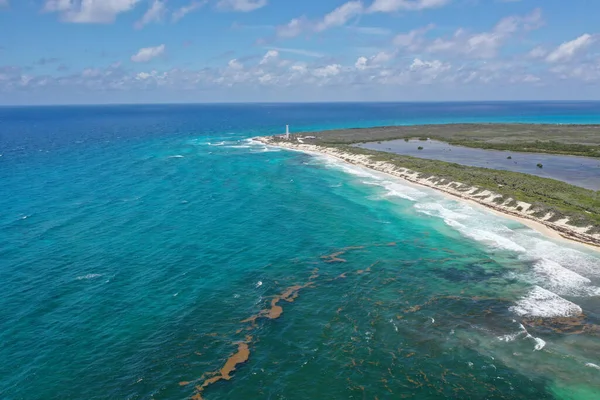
[(522, 211)]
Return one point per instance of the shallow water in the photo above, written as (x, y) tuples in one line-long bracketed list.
[(133, 244), (578, 171)]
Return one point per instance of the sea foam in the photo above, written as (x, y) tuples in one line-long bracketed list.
[(555, 269), (561, 280), (88, 276), (540, 302)]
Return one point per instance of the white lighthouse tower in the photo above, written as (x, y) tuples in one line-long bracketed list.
[(287, 132)]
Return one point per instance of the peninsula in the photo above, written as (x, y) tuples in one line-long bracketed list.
[(571, 211)]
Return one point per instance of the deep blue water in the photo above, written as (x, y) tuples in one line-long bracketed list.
[(134, 240)]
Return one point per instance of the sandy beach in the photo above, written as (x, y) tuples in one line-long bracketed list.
[(522, 212)]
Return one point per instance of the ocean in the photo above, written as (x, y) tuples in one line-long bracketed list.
[(158, 252)]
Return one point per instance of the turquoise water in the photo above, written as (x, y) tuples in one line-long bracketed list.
[(578, 171), (135, 240)]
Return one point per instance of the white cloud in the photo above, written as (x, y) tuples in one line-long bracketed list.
[(428, 71), (388, 6), (419, 64), (148, 53), (361, 63), (537, 52), (270, 56), (413, 39), (485, 44), (374, 61), (235, 64), (340, 16), (568, 50), (586, 72), (382, 71), (382, 57), (328, 71), (185, 10), (301, 52), (241, 5), (89, 11), (143, 76), (371, 30), (352, 9), (154, 14), (529, 78), (300, 69), (293, 28)]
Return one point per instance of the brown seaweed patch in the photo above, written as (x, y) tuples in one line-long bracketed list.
[(275, 311), (364, 271), (342, 276), (240, 357), (390, 244), (413, 309), (335, 257), (567, 325)]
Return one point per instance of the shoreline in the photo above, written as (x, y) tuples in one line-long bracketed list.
[(555, 230)]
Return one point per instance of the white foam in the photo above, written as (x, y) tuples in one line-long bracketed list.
[(539, 343), (88, 276), (395, 189), (270, 150), (543, 303), (553, 276), (559, 268), (350, 169), (590, 365), (583, 263), (176, 156), (556, 267), (465, 219)]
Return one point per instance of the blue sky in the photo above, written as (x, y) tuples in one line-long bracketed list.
[(140, 51)]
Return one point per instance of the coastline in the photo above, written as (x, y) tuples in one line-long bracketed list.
[(521, 213)]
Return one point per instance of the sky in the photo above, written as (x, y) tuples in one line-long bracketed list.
[(180, 51)]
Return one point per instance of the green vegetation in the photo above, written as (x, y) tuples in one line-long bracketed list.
[(420, 148), (579, 140), (509, 158), (581, 205), (540, 165)]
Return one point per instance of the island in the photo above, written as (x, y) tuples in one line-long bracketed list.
[(571, 211)]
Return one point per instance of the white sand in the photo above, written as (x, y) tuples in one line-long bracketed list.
[(557, 230)]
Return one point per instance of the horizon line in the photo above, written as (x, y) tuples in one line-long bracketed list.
[(293, 102)]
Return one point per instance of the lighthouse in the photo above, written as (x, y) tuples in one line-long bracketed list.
[(287, 132)]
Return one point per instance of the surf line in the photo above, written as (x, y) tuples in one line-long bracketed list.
[(242, 355)]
